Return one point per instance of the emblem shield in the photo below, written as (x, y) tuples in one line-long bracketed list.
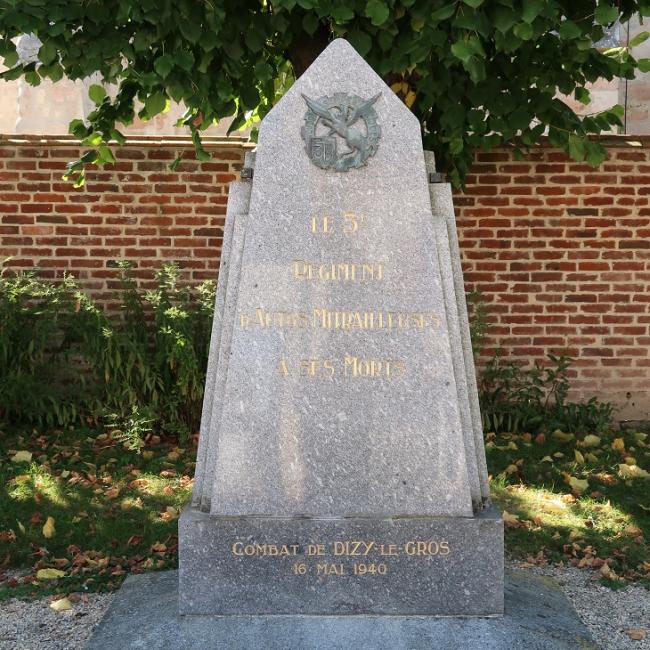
[(323, 150)]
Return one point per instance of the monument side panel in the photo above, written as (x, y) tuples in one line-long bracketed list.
[(234, 202)]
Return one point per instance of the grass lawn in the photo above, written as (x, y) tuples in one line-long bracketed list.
[(78, 503)]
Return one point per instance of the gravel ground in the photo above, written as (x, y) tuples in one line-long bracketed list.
[(611, 616), (34, 626)]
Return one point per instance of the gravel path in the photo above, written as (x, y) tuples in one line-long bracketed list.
[(611, 616), (34, 626)]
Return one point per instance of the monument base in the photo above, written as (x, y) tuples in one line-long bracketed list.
[(144, 614), (435, 566)]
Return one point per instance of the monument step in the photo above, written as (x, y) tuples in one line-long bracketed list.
[(144, 614)]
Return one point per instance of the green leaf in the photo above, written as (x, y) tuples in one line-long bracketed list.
[(476, 69), (163, 65), (444, 12), (618, 110), (47, 53), (342, 14), (524, 31), (155, 104), (10, 59), (417, 24), (254, 40), (605, 14), (97, 93), (263, 71), (641, 37), (208, 40), (531, 9), (473, 3), (310, 23), (503, 18), (644, 65), (582, 95), (377, 11), (184, 59), (190, 30), (596, 153), (473, 20), (360, 41), (577, 148), (461, 50), (569, 30), (53, 72)]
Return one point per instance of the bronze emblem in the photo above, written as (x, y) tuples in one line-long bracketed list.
[(341, 131)]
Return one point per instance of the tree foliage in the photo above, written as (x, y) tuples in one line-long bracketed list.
[(477, 73)]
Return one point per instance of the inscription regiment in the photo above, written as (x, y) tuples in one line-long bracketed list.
[(338, 271)]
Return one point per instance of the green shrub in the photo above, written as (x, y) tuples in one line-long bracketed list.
[(514, 399), (63, 360), (36, 385)]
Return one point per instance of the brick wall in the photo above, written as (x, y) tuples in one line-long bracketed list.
[(560, 252), (136, 209)]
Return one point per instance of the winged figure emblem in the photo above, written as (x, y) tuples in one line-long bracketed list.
[(350, 118)]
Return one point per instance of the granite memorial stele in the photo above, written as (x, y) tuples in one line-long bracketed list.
[(341, 467)]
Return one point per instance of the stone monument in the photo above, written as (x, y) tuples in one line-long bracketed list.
[(341, 467)]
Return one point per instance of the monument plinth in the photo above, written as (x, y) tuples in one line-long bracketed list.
[(341, 467)]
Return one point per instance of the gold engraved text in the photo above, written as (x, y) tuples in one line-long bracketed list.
[(338, 271)]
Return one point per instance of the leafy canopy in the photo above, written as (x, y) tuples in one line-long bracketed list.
[(477, 73)]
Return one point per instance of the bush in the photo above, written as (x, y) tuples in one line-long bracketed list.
[(64, 361), (514, 399)]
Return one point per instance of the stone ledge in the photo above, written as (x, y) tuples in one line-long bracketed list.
[(144, 614), (461, 573)]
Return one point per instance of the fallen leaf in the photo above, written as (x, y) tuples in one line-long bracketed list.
[(591, 441), (629, 460), (561, 436), (511, 469), (22, 457), (61, 605), (547, 459), (578, 486), (636, 634), (580, 459), (48, 528), (607, 572), (632, 471), (633, 530), (540, 439), (49, 574), (510, 520), (618, 444)]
